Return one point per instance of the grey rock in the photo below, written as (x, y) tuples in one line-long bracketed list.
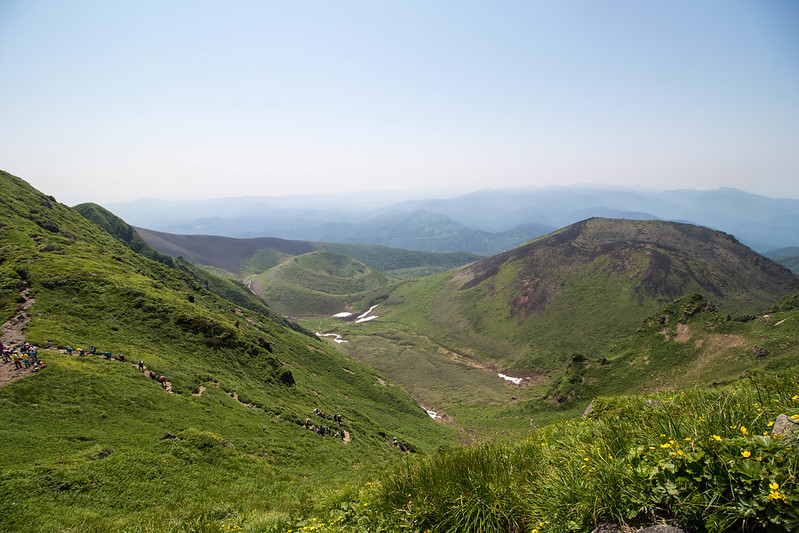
[(661, 529), (785, 426)]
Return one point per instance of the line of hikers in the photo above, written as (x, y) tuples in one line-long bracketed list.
[(121, 357), (325, 430), (26, 357)]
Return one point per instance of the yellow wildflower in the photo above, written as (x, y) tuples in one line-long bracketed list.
[(744, 430), (746, 453), (667, 445), (715, 437), (773, 485)]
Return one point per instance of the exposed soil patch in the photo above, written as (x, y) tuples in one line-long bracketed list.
[(683, 333), (13, 336), (715, 346)]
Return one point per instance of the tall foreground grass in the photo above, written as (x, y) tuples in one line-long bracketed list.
[(704, 459)]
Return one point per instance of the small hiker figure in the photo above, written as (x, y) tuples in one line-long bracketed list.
[(69, 350), (395, 441), (152, 374), (81, 352), (141, 365), (107, 354), (122, 357), (162, 381), (93, 350)]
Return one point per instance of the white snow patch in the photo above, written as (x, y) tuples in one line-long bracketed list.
[(343, 314), (337, 339), (367, 313), (431, 413), (366, 319), (248, 283), (515, 381)]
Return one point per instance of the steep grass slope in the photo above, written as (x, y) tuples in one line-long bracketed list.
[(81, 437), (226, 288), (702, 460)]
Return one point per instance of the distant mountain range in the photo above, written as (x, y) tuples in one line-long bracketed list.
[(484, 222)]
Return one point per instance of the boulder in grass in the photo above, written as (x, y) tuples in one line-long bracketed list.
[(785, 426), (660, 528)]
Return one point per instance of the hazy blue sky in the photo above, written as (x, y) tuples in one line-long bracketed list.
[(114, 100)]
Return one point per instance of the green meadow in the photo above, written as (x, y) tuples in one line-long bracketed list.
[(680, 428)]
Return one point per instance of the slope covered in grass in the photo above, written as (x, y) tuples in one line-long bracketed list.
[(82, 435), (702, 459), (256, 255), (688, 343), (584, 289), (320, 283)]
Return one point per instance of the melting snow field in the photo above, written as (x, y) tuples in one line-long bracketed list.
[(515, 381), (432, 414), (248, 283), (367, 313), (364, 317), (337, 338)]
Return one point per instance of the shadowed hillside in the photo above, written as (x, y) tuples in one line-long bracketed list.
[(254, 256)]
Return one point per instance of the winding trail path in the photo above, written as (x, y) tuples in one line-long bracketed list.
[(13, 335)]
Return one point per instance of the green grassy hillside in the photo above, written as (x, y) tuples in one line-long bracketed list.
[(575, 294), (319, 283), (585, 288), (81, 437), (225, 287), (243, 257), (701, 460), (787, 257), (688, 343)]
